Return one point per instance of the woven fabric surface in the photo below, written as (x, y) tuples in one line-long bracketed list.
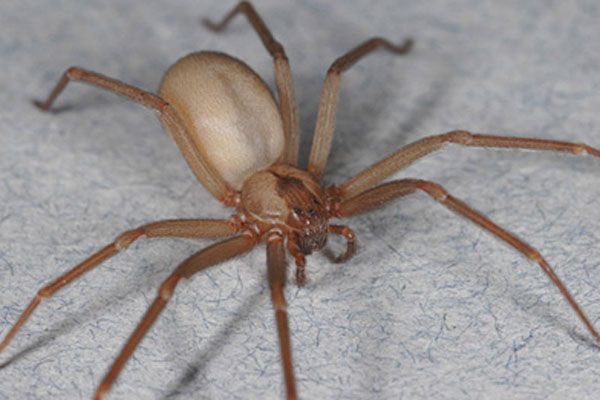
[(431, 307)]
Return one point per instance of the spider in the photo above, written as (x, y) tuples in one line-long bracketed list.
[(242, 144)]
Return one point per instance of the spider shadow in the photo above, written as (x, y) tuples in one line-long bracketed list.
[(22, 353), (213, 347), (582, 339), (118, 294), (547, 312), (58, 329)]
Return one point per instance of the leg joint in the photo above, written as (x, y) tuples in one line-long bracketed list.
[(580, 148), (44, 293), (534, 255), (279, 52), (335, 69), (348, 234), (73, 73), (125, 239), (245, 6), (435, 190), (458, 136), (278, 300), (168, 287)]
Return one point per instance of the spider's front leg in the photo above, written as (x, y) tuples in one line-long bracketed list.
[(300, 260), (412, 152), (188, 228), (200, 261), (276, 268)]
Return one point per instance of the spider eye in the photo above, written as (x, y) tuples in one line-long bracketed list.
[(311, 212), (297, 211)]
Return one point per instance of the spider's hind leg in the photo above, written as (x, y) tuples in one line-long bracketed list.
[(283, 74), (276, 271), (206, 174), (133, 93)]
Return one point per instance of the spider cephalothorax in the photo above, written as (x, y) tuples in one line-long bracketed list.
[(291, 200)]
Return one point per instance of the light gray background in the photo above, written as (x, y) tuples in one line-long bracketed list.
[(431, 307)]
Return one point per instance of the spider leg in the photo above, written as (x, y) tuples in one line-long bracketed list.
[(276, 267), (382, 194), (379, 171), (205, 173), (300, 260), (192, 228), (200, 261), (283, 75), (350, 237), (323, 135)]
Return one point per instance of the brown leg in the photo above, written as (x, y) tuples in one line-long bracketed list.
[(203, 171), (323, 135), (283, 75), (277, 276), (350, 237), (300, 259), (408, 154), (389, 191), (203, 259), (171, 228)]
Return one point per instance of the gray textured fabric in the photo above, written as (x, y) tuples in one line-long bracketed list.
[(431, 307)]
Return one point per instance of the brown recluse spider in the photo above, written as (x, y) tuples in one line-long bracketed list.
[(242, 145)]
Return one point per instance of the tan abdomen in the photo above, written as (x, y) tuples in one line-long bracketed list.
[(229, 112)]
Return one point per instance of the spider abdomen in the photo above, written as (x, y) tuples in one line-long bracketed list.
[(228, 111)]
